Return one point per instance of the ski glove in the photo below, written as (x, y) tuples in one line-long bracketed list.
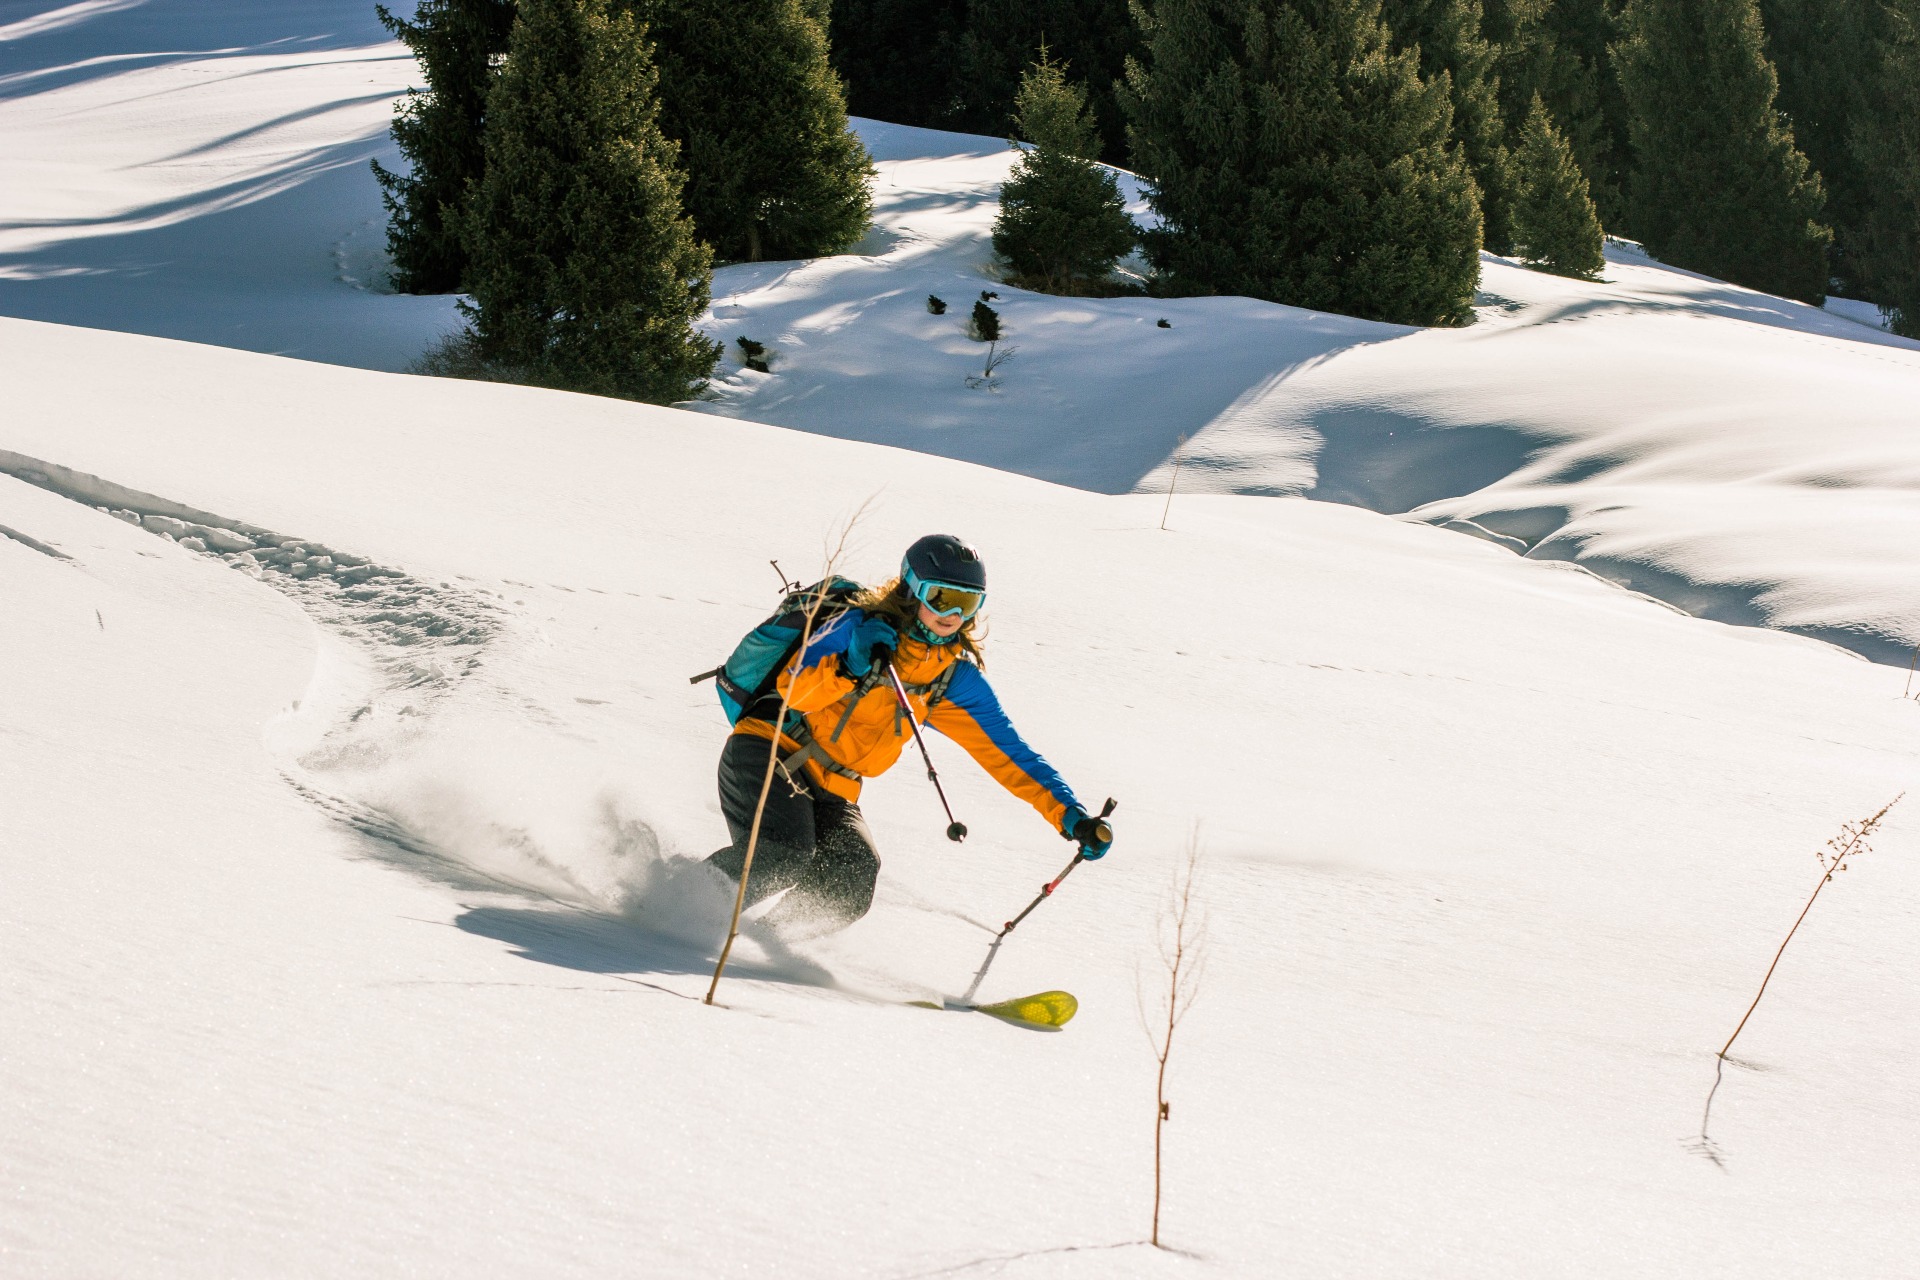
[(872, 638), (1094, 834)]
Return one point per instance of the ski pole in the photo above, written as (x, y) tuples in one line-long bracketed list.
[(956, 830), (1102, 832)]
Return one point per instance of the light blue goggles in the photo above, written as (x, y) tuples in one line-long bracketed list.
[(944, 598)]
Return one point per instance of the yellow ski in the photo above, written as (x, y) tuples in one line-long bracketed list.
[(1043, 1011)]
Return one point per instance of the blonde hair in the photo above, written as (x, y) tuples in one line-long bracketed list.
[(897, 604)]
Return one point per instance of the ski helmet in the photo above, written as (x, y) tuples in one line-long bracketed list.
[(943, 558)]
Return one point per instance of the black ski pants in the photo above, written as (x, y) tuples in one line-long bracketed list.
[(811, 842)]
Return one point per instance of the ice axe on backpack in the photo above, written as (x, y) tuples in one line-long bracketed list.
[(956, 830)]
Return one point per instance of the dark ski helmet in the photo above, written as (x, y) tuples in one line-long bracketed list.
[(943, 558)]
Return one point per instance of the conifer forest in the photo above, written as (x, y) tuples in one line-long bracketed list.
[(1352, 156)]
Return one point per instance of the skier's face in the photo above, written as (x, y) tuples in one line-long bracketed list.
[(940, 626)]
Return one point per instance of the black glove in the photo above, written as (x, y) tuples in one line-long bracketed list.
[(1094, 835)]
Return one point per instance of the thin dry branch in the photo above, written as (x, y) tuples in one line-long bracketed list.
[(833, 559), (1850, 841), (1179, 456), (1182, 946)]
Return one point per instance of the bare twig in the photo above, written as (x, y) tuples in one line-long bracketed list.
[(773, 755), (1850, 841), (1183, 955), (1910, 668), (995, 358), (1174, 479)]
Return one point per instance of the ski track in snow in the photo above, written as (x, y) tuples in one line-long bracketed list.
[(409, 653), (411, 649)]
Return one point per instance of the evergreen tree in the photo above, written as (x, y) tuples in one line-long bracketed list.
[(772, 169), (898, 56), (1560, 49), (1554, 216), (1293, 157), (1717, 184), (1093, 38), (1887, 145), (1825, 53), (584, 274), (439, 131), (1446, 34), (1062, 223)]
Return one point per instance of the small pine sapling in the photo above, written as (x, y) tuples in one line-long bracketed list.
[(753, 355), (1162, 323), (1554, 218), (1062, 223), (984, 325), (936, 304)]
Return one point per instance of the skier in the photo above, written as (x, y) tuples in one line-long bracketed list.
[(845, 724)]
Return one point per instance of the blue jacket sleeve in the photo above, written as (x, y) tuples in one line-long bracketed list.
[(971, 716)]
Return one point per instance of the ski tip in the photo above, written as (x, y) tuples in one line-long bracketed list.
[(1047, 1010)]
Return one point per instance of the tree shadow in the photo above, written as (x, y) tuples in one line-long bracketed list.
[(1701, 295), (59, 50), (276, 253), (260, 263)]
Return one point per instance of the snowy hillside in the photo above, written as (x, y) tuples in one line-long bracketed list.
[(353, 921), (1747, 458), (1495, 852)]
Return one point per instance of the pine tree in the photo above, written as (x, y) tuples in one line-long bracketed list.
[(584, 273), (1292, 157), (1093, 38), (1062, 223), (1447, 35), (1560, 49), (1554, 216), (897, 58), (1717, 184), (1887, 145), (750, 96), (1825, 53), (439, 131)]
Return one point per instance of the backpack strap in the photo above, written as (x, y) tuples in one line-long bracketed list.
[(810, 749), (867, 684)]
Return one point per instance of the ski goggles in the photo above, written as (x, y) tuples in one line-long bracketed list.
[(944, 598)]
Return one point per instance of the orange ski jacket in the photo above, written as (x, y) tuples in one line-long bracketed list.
[(861, 738)]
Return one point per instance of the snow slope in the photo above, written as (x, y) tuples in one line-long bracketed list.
[(350, 930), (196, 169), (1747, 458)]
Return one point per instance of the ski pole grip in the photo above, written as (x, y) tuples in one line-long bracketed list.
[(1103, 830)]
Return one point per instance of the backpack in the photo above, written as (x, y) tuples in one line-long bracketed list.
[(751, 673)]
